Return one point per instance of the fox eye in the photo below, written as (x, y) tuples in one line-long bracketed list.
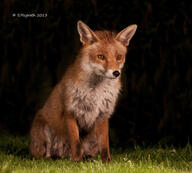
[(119, 57), (102, 57)]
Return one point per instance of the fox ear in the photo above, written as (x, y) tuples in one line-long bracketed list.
[(125, 35), (87, 36)]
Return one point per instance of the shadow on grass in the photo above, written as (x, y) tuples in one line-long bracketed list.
[(16, 146)]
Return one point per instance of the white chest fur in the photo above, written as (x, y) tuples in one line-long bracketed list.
[(92, 99)]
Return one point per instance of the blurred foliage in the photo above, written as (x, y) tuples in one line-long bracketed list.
[(155, 103)]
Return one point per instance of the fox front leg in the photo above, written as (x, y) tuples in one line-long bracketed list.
[(102, 133), (73, 134)]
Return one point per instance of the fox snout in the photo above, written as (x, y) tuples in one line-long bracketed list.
[(101, 71), (112, 74)]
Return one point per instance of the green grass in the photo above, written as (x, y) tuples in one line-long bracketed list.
[(15, 157)]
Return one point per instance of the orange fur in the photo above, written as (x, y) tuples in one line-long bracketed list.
[(84, 99)]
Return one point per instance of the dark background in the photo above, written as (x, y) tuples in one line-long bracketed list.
[(156, 102)]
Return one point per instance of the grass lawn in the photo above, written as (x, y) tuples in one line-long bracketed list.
[(15, 157)]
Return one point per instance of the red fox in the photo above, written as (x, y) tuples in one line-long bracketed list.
[(83, 100)]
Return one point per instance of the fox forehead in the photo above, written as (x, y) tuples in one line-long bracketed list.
[(106, 45), (109, 49)]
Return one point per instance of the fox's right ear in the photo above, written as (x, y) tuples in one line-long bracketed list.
[(87, 36)]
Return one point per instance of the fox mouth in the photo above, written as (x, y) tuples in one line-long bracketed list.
[(112, 78)]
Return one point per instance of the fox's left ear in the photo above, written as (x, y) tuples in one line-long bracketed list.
[(125, 35)]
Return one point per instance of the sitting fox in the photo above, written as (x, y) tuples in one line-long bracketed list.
[(83, 100)]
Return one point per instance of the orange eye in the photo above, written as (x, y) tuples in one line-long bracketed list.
[(102, 57), (119, 57)]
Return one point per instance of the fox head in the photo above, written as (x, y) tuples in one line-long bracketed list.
[(104, 52)]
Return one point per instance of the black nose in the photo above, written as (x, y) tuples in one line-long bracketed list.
[(116, 73)]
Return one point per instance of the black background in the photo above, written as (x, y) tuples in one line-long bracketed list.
[(155, 105)]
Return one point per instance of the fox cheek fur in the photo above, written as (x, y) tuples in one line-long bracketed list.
[(83, 100)]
